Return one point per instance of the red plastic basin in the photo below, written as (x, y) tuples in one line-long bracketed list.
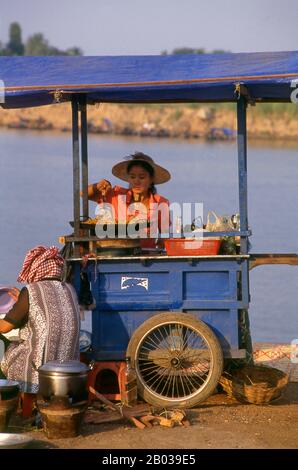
[(192, 246)]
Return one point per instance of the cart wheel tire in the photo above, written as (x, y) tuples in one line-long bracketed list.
[(178, 360)]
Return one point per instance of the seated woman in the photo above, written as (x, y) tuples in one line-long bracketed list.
[(139, 202), (47, 313)]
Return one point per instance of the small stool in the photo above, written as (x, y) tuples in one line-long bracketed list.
[(96, 379)]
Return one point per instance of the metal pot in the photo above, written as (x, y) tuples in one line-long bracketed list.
[(14, 441), (8, 389), (63, 378)]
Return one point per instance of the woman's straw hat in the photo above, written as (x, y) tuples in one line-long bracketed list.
[(161, 175)]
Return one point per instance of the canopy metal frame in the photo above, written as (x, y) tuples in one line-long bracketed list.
[(80, 160), (80, 167)]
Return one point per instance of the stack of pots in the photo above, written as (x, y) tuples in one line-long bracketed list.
[(62, 397)]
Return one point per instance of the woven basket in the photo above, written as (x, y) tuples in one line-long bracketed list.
[(254, 384)]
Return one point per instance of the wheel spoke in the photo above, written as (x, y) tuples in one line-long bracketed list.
[(182, 384), (166, 338), (149, 340), (166, 385), (150, 368), (161, 362), (158, 379), (160, 340), (158, 332), (174, 361)]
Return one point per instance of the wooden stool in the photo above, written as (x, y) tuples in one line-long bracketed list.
[(96, 379)]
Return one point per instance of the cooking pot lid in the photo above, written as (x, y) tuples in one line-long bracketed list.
[(8, 385), (69, 367)]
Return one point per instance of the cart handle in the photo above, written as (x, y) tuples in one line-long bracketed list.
[(259, 259)]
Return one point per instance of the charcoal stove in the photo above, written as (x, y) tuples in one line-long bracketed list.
[(61, 417), (9, 398)]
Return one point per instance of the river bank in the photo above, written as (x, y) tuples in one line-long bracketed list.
[(213, 122)]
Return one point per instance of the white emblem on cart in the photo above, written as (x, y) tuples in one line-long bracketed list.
[(128, 282)]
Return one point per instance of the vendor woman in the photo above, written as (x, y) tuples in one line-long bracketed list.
[(140, 201), (47, 315)]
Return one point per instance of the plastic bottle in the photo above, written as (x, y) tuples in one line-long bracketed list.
[(129, 391)]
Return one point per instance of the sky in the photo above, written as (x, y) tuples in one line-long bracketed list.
[(119, 27)]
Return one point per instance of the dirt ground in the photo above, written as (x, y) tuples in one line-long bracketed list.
[(219, 423)]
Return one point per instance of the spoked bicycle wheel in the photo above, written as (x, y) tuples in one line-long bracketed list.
[(177, 358)]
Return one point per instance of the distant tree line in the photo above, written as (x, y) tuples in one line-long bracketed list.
[(36, 45), (190, 50)]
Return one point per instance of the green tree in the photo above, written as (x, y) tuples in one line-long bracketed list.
[(54, 51), (219, 51), (183, 50), (188, 50), (15, 45), (191, 50), (37, 45), (74, 51), (1, 49)]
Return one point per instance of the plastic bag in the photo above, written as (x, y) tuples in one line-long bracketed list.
[(220, 224), (85, 295), (85, 340), (104, 214)]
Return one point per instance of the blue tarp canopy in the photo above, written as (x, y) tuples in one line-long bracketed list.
[(36, 81)]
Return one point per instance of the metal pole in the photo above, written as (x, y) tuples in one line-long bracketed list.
[(84, 143), (242, 170), (76, 165)]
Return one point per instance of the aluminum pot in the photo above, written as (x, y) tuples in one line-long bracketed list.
[(14, 441), (8, 389), (63, 378)]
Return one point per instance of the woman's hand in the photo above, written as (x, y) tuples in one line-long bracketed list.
[(103, 186), (98, 189)]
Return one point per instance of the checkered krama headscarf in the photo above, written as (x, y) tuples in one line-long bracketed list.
[(41, 262)]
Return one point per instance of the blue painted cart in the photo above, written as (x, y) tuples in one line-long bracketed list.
[(176, 317)]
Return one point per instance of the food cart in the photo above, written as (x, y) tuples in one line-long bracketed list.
[(177, 317)]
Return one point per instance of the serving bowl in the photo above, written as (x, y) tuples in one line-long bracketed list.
[(14, 441)]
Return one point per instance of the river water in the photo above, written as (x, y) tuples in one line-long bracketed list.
[(36, 203)]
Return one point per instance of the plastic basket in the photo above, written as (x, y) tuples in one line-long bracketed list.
[(254, 384), (192, 246)]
